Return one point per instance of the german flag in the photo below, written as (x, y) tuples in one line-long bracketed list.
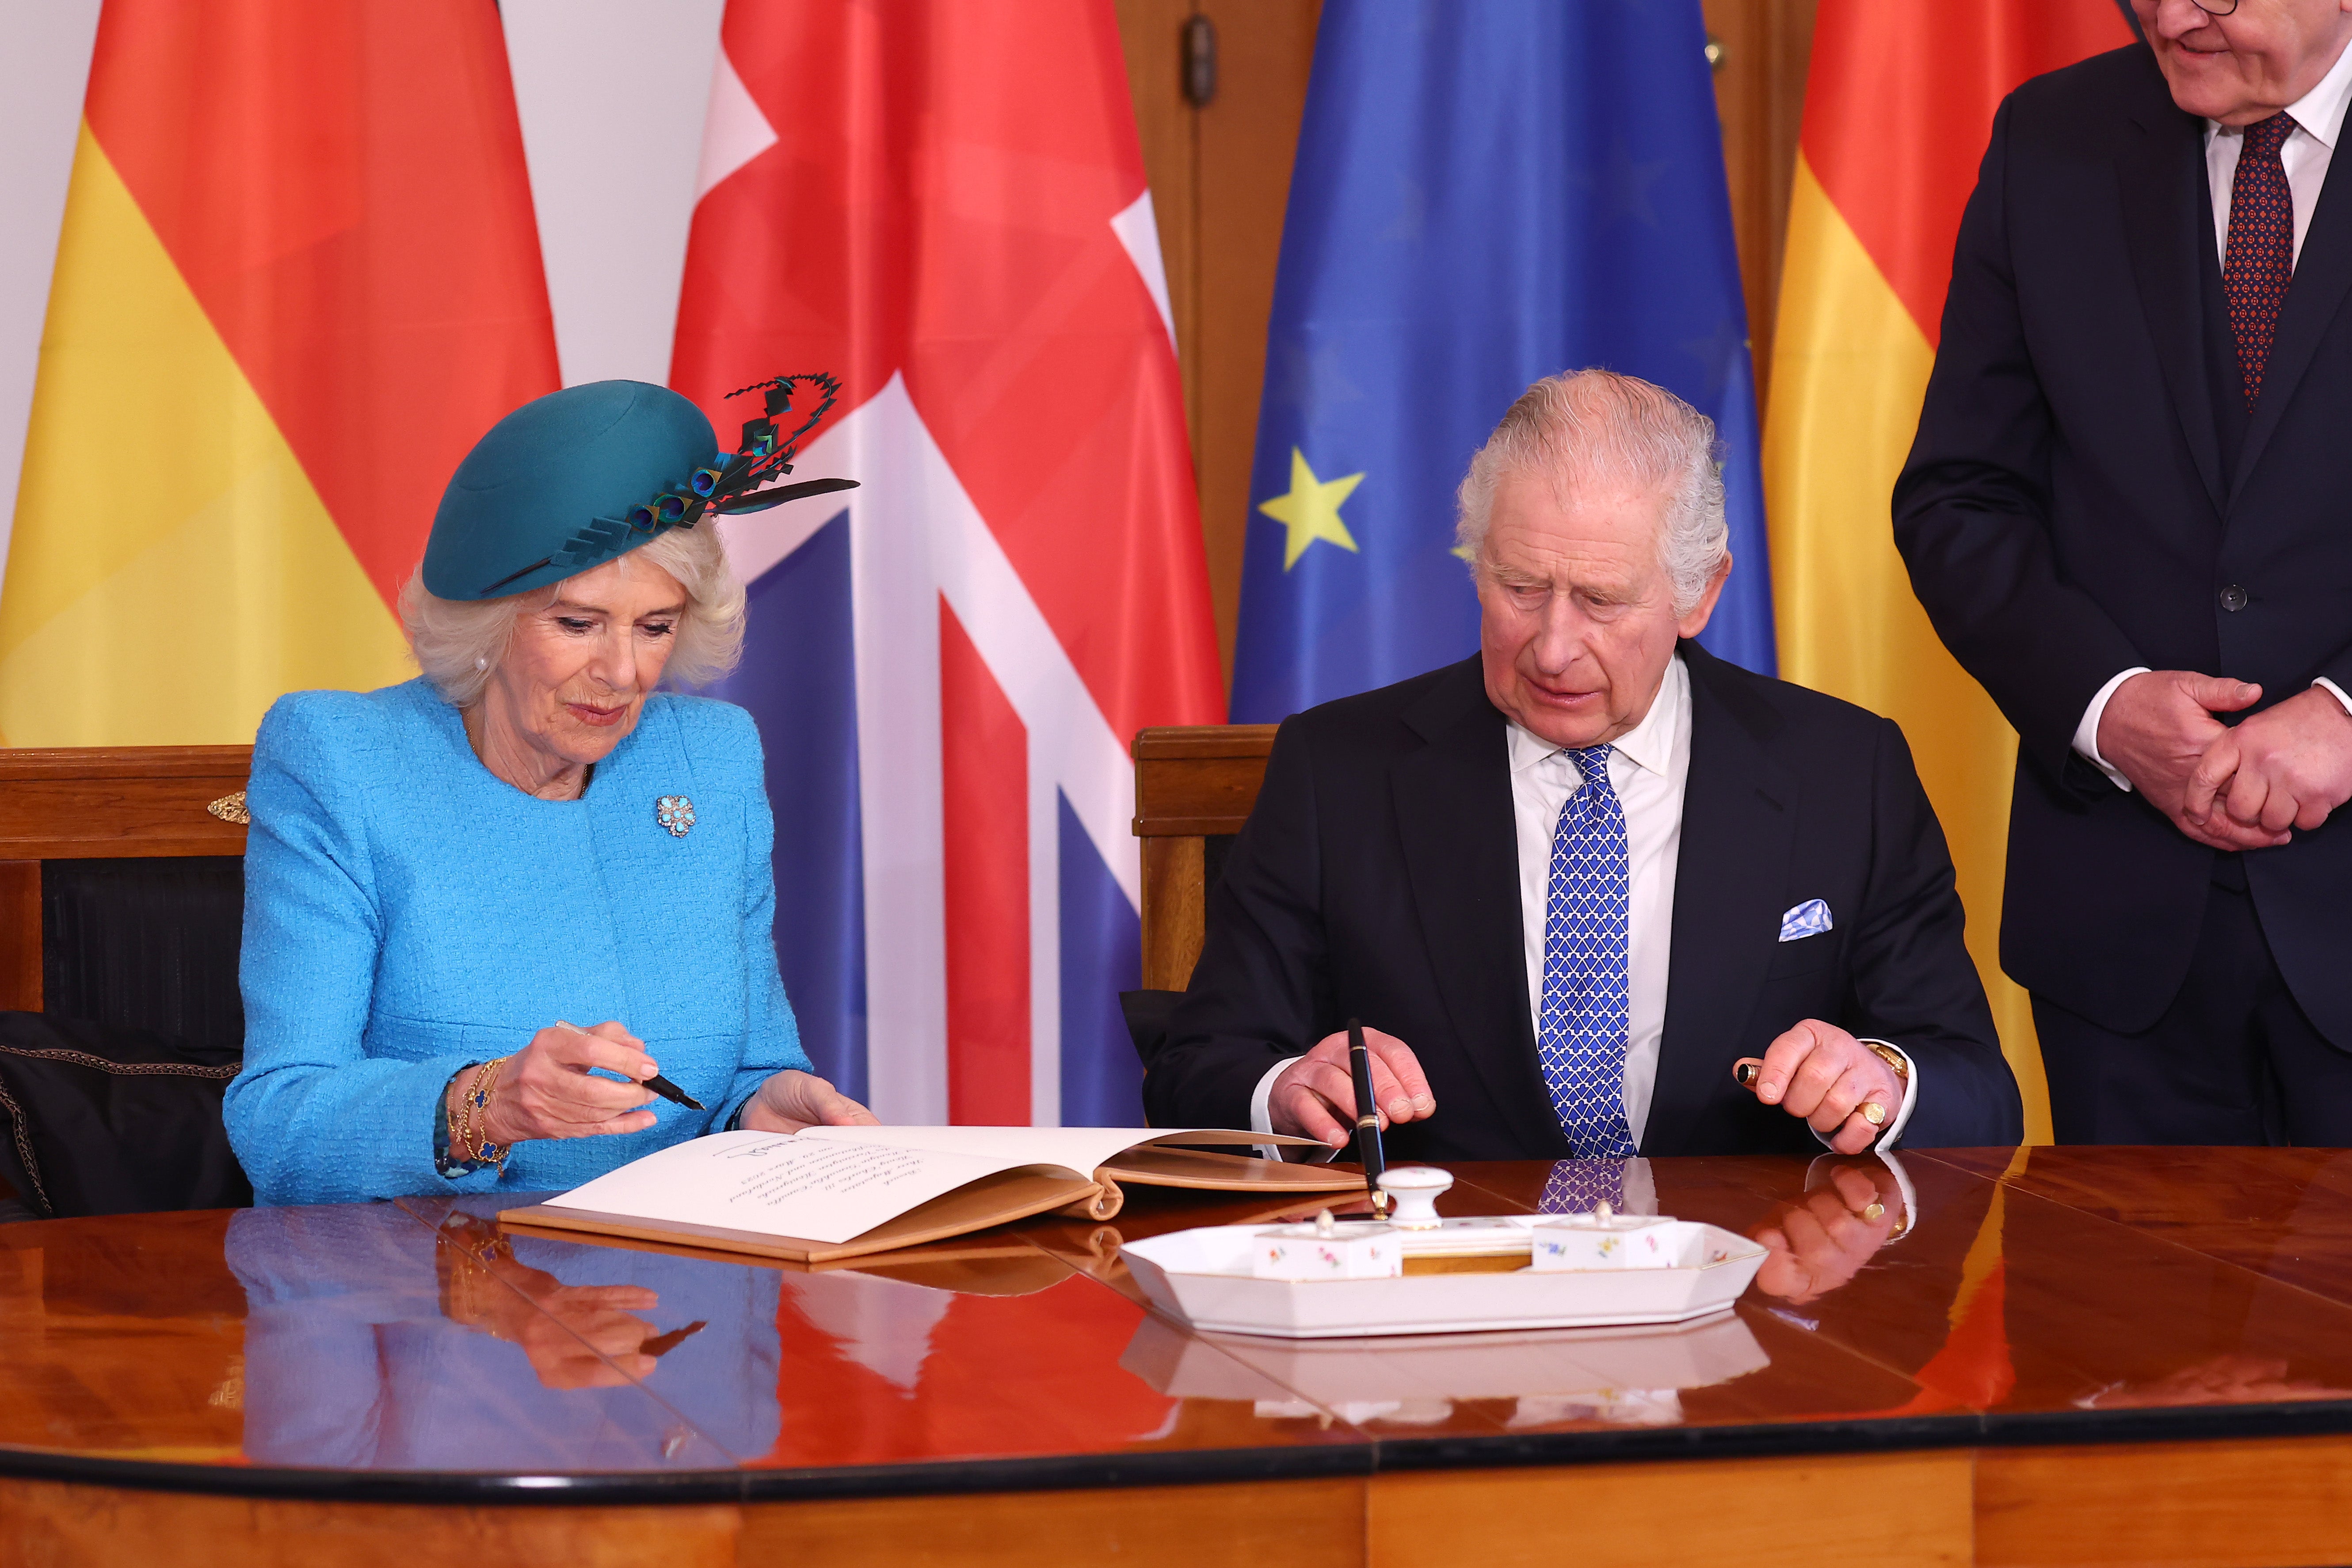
[(298, 276), (1898, 109)]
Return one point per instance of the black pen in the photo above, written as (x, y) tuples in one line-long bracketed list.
[(657, 1084), (672, 1093), (1367, 1118)]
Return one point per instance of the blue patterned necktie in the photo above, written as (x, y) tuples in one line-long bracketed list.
[(1581, 1032)]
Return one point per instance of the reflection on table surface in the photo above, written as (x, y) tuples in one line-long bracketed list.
[(421, 1336), (370, 1344), (1628, 1376)]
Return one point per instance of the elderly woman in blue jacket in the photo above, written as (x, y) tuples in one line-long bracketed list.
[(446, 879)]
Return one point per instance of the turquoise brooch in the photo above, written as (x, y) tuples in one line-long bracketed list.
[(675, 813)]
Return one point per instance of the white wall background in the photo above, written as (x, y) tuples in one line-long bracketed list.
[(611, 94), (44, 62)]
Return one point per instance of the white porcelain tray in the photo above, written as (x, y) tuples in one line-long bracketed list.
[(1202, 1278)]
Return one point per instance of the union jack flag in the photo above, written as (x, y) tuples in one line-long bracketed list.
[(944, 204)]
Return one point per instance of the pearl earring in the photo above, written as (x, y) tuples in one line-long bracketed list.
[(481, 664)]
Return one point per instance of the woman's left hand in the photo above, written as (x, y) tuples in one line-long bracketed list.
[(790, 1100)]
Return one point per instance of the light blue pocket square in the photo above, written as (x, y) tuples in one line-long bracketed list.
[(1810, 918)]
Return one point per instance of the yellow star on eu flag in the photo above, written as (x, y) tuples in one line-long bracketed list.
[(1311, 510)]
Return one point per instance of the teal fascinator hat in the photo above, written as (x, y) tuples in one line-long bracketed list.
[(571, 480)]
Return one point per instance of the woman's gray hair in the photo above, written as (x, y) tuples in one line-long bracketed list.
[(1596, 429), (458, 642)]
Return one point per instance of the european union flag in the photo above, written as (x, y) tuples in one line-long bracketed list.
[(1485, 195)]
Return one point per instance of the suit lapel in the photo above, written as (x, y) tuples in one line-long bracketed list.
[(2315, 294), (1454, 818), (2166, 215), (1740, 823)]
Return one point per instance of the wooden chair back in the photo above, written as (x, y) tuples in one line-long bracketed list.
[(1194, 786), (103, 803)]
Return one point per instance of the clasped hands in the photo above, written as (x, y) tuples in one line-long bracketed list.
[(1815, 1071), (550, 1089), (2246, 787)]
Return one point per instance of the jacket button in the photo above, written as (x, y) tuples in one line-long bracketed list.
[(2233, 598)]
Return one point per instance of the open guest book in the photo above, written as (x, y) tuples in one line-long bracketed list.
[(842, 1192)]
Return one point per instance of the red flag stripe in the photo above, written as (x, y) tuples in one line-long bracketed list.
[(985, 752)]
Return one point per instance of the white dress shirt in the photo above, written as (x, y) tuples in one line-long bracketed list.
[(2318, 117), (2307, 151), (1647, 767)]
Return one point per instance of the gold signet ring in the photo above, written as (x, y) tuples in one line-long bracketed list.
[(1875, 1211), (1875, 1114)]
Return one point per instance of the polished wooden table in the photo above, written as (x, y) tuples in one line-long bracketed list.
[(2045, 1356)]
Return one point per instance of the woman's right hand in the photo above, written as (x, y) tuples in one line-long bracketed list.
[(546, 1091)]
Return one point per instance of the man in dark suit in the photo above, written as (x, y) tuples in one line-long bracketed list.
[(2126, 513), (1572, 882)]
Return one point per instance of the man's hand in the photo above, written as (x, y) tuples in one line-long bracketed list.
[(1818, 1071), (1316, 1097), (2158, 728), (2286, 767)]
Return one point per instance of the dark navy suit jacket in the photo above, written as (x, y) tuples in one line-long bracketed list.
[(1377, 878), (2086, 487)]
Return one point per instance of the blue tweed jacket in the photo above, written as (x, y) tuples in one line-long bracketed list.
[(407, 914)]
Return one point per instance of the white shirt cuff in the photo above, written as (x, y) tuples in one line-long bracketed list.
[(1261, 1113), (2086, 734), (1903, 1113), (2335, 691)]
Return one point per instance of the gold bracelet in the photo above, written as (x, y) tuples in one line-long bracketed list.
[(486, 1083), (477, 1148), (462, 1135)]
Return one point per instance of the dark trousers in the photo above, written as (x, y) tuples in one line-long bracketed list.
[(2232, 1060)]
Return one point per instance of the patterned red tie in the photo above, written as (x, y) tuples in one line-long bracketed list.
[(2259, 258)]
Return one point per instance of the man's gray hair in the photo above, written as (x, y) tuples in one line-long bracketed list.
[(458, 642), (1599, 430)]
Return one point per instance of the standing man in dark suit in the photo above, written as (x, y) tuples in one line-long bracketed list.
[(1572, 881), (2129, 514)]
